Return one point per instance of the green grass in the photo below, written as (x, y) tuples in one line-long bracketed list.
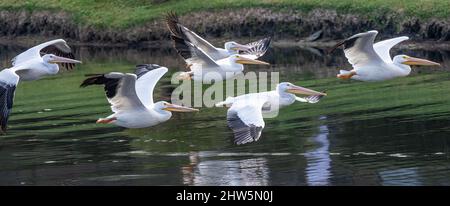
[(127, 13)]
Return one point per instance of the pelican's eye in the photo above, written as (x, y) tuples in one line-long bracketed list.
[(405, 57)]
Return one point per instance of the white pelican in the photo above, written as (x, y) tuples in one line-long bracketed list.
[(131, 97), (251, 50), (372, 62), (205, 69), (245, 116), (30, 65)]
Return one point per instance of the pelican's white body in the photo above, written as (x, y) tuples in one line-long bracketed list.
[(208, 63), (372, 62), (227, 69), (140, 117), (29, 65), (245, 115), (133, 104), (270, 101), (380, 72), (35, 69)]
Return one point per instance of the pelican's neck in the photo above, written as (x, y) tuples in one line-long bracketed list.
[(162, 114), (51, 68), (404, 70), (285, 98), (235, 65), (399, 68), (284, 94)]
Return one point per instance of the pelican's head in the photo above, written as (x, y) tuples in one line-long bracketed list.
[(53, 59), (164, 106), (294, 89), (244, 60), (407, 60), (233, 46)]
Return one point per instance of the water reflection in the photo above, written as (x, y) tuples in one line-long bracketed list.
[(243, 172), (287, 60), (399, 177), (318, 167), (391, 137)]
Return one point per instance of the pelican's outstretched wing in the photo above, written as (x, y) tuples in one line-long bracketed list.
[(180, 31), (359, 49), (191, 53), (245, 118), (8, 82), (57, 47), (148, 76), (119, 88), (382, 48), (6, 103), (257, 48)]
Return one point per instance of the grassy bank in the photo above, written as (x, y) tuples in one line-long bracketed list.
[(126, 13)]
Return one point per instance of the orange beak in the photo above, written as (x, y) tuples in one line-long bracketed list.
[(178, 108), (243, 60), (301, 90), (421, 62)]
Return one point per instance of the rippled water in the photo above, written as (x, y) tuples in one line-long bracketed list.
[(389, 133)]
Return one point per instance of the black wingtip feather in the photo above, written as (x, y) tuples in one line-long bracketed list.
[(332, 49), (93, 79), (242, 133), (7, 100), (258, 48), (182, 47), (142, 69), (110, 83), (54, 50), (172, 20), (347, 43)]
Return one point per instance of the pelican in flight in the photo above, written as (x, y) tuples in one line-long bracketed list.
[(131, 97), (30, 65), (372, 62), (251, 50), (203, 68), (245, 115)]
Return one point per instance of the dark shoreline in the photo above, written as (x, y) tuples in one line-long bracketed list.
[(27, 42), (292, 26)]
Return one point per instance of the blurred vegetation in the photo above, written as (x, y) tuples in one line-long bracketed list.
[(127, 13)]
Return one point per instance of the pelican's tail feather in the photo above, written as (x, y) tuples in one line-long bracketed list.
[(106, 120), (344, 74)]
